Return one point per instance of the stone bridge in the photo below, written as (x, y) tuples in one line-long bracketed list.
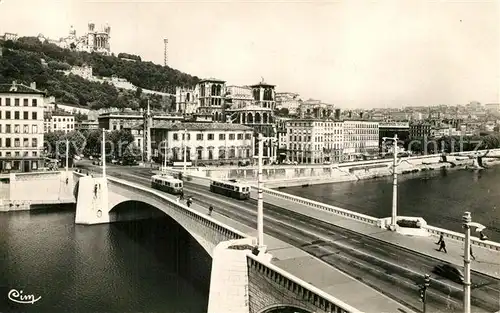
[(243, 279)]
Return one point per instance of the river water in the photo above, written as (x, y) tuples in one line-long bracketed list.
[(120, 267), (440, 197)]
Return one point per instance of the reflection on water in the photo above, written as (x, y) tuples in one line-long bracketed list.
[(122, 267), (439, 196)]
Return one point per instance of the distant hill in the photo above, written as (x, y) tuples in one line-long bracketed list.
[(21, 61)]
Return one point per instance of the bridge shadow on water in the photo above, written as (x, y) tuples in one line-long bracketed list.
[(164, 240)]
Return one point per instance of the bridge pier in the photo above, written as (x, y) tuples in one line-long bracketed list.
[(92, 205)]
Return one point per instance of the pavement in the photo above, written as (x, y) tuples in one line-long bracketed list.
[(487, 261)]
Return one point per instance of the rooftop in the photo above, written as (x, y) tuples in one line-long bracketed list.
[(201, 126), (215, 80)]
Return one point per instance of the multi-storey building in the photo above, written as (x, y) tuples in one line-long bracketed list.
[(361, 138), (208, 143), (315, 109), (58, 122), (238, 97), (314, 140), (420, 130), (21, 128), (186, 100), (121, 120)]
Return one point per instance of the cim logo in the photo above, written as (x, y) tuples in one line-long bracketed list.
[(18, 296)]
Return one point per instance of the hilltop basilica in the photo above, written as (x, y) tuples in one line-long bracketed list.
[(93, 41)]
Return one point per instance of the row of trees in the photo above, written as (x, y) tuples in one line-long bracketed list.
[(119, 144)]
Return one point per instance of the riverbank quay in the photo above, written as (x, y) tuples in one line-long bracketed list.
[(282, 176), (27, 191)]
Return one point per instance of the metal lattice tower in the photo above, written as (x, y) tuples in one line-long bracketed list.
[(165, 56)]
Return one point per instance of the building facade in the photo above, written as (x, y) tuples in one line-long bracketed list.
[(58, 122), (389, 129), (314, 141), (211, 98), (208, 143), (420, 130), (21, 128), (361, 138), (86, 125)]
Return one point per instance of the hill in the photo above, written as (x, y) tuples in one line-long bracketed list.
[(22, 61)]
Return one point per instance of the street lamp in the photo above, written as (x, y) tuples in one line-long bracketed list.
[(165, 159), (423, 290), (467, 224), (67, 153), (103, 153), (260, 202), (394, 182), (184, 148)]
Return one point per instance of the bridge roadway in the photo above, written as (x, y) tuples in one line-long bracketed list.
[(367, 260)]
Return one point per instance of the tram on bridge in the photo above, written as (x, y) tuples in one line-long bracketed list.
[(230, 188), (167, 183)]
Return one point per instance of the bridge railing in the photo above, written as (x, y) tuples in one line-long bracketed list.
[(228, 230), (322, 206), (308, 292), (461, 237)]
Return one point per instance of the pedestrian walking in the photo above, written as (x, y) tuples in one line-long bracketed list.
[(472, 254), (95, 191), (189, 201), (442, 244), (210, 209)]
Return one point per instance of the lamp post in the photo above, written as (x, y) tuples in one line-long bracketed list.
[(467, 224), (394, 182), (165, 159), (103, 153), (260, 203), (184, 151), (67, 153)]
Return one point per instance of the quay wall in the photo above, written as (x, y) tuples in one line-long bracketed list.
[(276, 176), (21, 191)]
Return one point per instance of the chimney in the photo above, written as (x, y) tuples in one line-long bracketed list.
[(33, 85)]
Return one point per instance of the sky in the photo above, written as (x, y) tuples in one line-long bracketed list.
[(356, 54)]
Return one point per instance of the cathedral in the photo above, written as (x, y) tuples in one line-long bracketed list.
[(93, 41)]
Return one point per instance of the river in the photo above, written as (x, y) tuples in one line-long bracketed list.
[(120, 267), (440, 197)]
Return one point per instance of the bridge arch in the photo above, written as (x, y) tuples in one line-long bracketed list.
[(279, 308)]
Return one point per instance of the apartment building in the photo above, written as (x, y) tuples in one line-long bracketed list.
[(21, 127), (314, 141), (59, 121), (204, 142), (361, 138)]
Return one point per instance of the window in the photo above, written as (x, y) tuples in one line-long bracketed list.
[(199, 136), (7, 129), (17, 154), (7, 115), (240, 136), (16, 115), (16, 102), (26, 129), (210, 136), (17, 129), (25, 115), (34, 153), (33, 102), (34, 142), (34, 116), (7, 102), (25, 102), (222, 136), (231, 136), (249, 136), (176, 136), (7, 142), (0, 128), (17, 142), (26, 142)]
